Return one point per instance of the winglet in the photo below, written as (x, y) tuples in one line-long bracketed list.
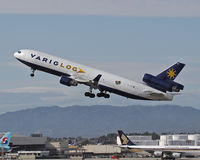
[(124, 139)]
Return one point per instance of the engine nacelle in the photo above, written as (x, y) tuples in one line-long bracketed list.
[(68, 81), (163, 85), (176, 87), (157, 153), (176, 155)]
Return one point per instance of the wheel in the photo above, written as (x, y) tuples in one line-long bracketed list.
[(32, 75), (87, 94), (106, 96), (92, 95), (99, 94)]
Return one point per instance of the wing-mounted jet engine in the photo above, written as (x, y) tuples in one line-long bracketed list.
[(65, 80), (165, 80)]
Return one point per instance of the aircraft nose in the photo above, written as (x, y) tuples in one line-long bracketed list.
[(16, 54)]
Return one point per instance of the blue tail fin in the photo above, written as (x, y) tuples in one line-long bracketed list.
[(5, 140), (124, 139), (172, 72)]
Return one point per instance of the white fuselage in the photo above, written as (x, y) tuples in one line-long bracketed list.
[(110, 82)]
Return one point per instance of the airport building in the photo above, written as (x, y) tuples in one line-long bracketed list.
[(100, 149), (56, 148), (34, 142), (94, 151)]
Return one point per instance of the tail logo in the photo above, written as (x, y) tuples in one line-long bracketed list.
[(171, 73), (5, 140), (125, 140)]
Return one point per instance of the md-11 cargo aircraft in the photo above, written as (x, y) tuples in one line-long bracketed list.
[(165, 152), (72, 74)]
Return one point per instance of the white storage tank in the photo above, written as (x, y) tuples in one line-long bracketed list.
[(178, 137), (162, 143), (165, 137), (166, 143), (194, 137), (165, 140)]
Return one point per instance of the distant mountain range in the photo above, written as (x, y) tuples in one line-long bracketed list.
[(93, 121)]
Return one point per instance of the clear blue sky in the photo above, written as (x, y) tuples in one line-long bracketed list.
[(125, 43)]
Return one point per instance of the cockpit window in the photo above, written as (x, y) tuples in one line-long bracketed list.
[(19, 52)]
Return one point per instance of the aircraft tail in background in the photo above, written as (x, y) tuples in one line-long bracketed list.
[(124, 139), (5, 140)]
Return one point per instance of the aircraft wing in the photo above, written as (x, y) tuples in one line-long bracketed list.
[(83, 80), (73, 80), (80, 80)]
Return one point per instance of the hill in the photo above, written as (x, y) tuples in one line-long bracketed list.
[(92, 121)]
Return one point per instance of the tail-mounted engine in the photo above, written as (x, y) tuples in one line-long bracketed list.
[(162, 85)]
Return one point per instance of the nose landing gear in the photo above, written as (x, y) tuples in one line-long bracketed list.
[(33, 72)]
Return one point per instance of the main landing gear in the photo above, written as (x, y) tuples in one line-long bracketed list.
[(33, 72), (89, 94), (101, 94), (92, 95)]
